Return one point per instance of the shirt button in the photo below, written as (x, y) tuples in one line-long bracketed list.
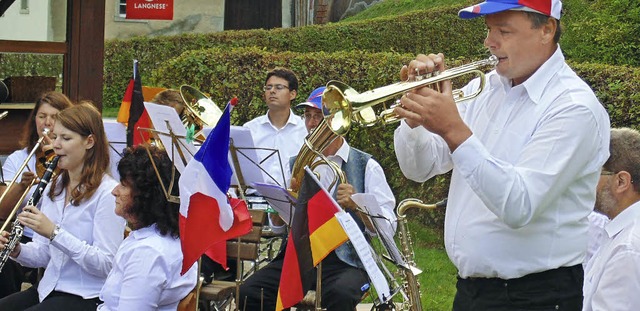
[(506, 284)]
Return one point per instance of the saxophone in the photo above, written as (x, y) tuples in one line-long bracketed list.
[(17, 230), (410, 284)]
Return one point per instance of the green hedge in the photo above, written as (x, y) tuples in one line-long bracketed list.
[(224, 73), (391, 34)]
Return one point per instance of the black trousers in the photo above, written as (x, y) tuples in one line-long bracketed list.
[(13, 275), (557, 289), (11, 278), (342, 286), (27, 300)]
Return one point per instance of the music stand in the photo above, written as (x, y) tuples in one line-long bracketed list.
[(117, 137), (248, 161), (171, 133)]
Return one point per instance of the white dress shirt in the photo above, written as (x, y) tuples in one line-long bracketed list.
[(597, 235), (287, 140), (375, 182), (525, 181), (80, 257), (146, 274), (612, 277), (10, 169)]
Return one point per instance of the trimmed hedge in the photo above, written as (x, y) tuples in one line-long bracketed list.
[(390, 34), (224, 73)]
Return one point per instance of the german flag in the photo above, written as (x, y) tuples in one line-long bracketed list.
[(315, 232), (132, 110)]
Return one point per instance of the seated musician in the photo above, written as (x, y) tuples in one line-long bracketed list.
[(42, 116), (77, 232), (279, 128), (343, 275), (146, 269)]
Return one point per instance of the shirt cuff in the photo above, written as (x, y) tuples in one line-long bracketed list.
[(469, 155)]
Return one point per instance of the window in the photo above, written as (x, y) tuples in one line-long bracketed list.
[(122, 8), (24, 6)]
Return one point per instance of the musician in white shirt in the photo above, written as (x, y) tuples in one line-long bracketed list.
[(612, 277), (525, 154), (77, 231), (146, 269), (279, 129)]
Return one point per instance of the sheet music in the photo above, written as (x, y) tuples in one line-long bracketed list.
[(166, 121), (249, 163), (117, 137), (279, 199), (364, 253), (384, 228)]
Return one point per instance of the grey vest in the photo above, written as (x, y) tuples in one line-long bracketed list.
[(354, 170)]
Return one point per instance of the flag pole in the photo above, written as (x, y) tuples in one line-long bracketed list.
[(319, 287)]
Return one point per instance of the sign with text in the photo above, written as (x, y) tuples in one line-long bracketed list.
[(150, 9)]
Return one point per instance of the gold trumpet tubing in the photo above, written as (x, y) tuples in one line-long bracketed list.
[(18, 174), (347, 105)]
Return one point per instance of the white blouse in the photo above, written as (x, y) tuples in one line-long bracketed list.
[(80, 257)]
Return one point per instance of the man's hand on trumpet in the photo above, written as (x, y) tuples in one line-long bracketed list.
[(431, 108)]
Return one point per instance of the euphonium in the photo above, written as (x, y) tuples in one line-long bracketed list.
[(346, 105), (311, 149), (17, 230), (199, 110), (410, 284)]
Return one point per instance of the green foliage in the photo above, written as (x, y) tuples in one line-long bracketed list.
[(603, 31), (13, 65)]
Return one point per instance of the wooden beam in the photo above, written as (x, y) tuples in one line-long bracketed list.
[(42, 47), (84, 63)]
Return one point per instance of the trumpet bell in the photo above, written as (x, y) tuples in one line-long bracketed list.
[(200, 110)]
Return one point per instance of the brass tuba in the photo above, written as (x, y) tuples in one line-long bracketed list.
[(347, 106), (200, 111)]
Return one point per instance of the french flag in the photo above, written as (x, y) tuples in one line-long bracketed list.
[(205, 211)]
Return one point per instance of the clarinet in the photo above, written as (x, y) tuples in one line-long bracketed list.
[(17, 230)]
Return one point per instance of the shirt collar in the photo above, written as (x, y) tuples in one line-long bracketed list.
[(343, 151), (623, 220), (145, 232), (294, 119), (538, 82)]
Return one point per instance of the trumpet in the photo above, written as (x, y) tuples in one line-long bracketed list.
[(347, 106)]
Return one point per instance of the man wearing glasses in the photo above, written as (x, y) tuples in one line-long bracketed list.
[(612, 277), (279, 128)]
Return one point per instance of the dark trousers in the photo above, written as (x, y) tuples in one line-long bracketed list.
[(557, 289), (27, 300), (10, 278), (342, 286)]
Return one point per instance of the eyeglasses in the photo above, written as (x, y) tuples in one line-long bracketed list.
[(606, 173), (278, 87), (313, 116)]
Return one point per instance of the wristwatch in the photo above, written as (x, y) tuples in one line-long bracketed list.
[(55, 232)]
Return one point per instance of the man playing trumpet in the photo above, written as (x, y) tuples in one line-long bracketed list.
[(526, 156)]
